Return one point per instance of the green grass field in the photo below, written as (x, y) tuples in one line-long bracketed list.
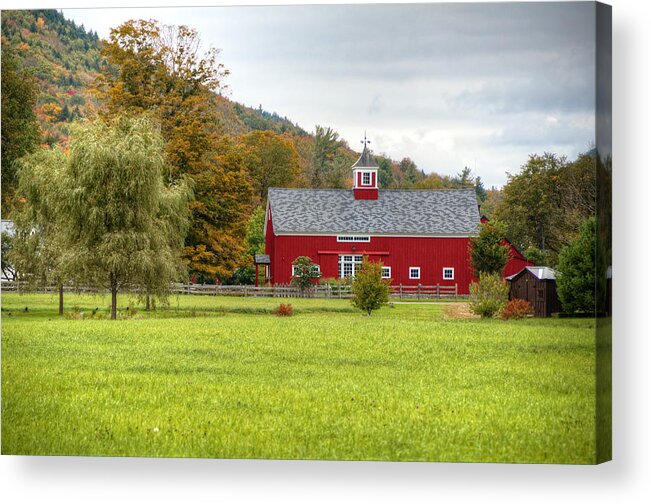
[(223, 377)]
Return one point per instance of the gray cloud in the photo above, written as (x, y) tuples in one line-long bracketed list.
[(447, 84)]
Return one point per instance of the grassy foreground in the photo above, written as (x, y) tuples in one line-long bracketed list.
[(327, 383)]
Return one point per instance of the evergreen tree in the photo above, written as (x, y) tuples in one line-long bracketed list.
[(576, 271), (480, 191), (385, 173), (326, 146), (464, 179), (409, 172), (20, 133)]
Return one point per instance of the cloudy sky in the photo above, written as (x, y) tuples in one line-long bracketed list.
[(450, 85)]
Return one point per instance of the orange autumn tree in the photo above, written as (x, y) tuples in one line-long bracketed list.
[(271, 161), (161, 71)]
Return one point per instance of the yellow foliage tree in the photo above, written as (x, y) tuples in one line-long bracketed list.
[(159, 70)]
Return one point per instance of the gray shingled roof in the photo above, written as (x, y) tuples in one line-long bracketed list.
[(366, 160), (335, 211)]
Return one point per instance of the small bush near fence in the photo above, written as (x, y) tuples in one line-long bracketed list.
[(516, 309), (489, 295), (284, 310)]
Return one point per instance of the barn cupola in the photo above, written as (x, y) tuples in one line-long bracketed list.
[(365, 176)]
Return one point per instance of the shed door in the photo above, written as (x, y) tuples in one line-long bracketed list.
[(540, 308)]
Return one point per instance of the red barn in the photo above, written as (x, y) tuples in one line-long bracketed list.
[(421, 237), (517, 262)]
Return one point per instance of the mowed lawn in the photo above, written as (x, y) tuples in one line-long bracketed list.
[(222, 377)]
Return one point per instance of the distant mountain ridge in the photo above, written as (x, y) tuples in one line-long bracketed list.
[(65, 59)]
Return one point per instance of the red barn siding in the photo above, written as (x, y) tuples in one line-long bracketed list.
[(366, 194), (517, 262), (400, 253), (270, 241)]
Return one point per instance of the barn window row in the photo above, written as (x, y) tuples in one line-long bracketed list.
[(350, 265), (315, 267), (355, 238)]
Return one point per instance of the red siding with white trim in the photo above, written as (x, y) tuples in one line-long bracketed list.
[(401, 253)]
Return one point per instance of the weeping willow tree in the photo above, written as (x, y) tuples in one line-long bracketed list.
[(38, 242), (123, 228)]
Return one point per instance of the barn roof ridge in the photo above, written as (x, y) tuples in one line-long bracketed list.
[(468, 189)]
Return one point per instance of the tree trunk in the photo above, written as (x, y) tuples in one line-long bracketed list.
[(147, 305), (114, 296), (61, 299)]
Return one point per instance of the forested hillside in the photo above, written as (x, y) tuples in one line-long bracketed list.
[(65, 60)]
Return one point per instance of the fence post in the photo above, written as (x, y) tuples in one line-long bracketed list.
[(455, 292), (438, 291), (400, 291), (418, 293)]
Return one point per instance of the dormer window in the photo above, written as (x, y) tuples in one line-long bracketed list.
[(366, 178)]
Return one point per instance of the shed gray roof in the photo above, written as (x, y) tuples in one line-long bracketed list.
[(261, 259), (541, 272), (336, 211), (7, 227)]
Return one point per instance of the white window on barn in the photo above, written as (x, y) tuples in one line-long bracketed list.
[(448, 273), (353, 238), (316, 267), (349, 265), (414, 273), (386, 271), (366, 178)]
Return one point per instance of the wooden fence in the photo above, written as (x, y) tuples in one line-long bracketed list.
[(319, 291), (277, 291)]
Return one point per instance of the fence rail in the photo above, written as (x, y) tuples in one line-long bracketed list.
[(277, 291)]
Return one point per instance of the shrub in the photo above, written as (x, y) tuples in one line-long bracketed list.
[(369, 290), (284, 310), (489, 295), (306, 273), (336, 282), (516, 309)]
